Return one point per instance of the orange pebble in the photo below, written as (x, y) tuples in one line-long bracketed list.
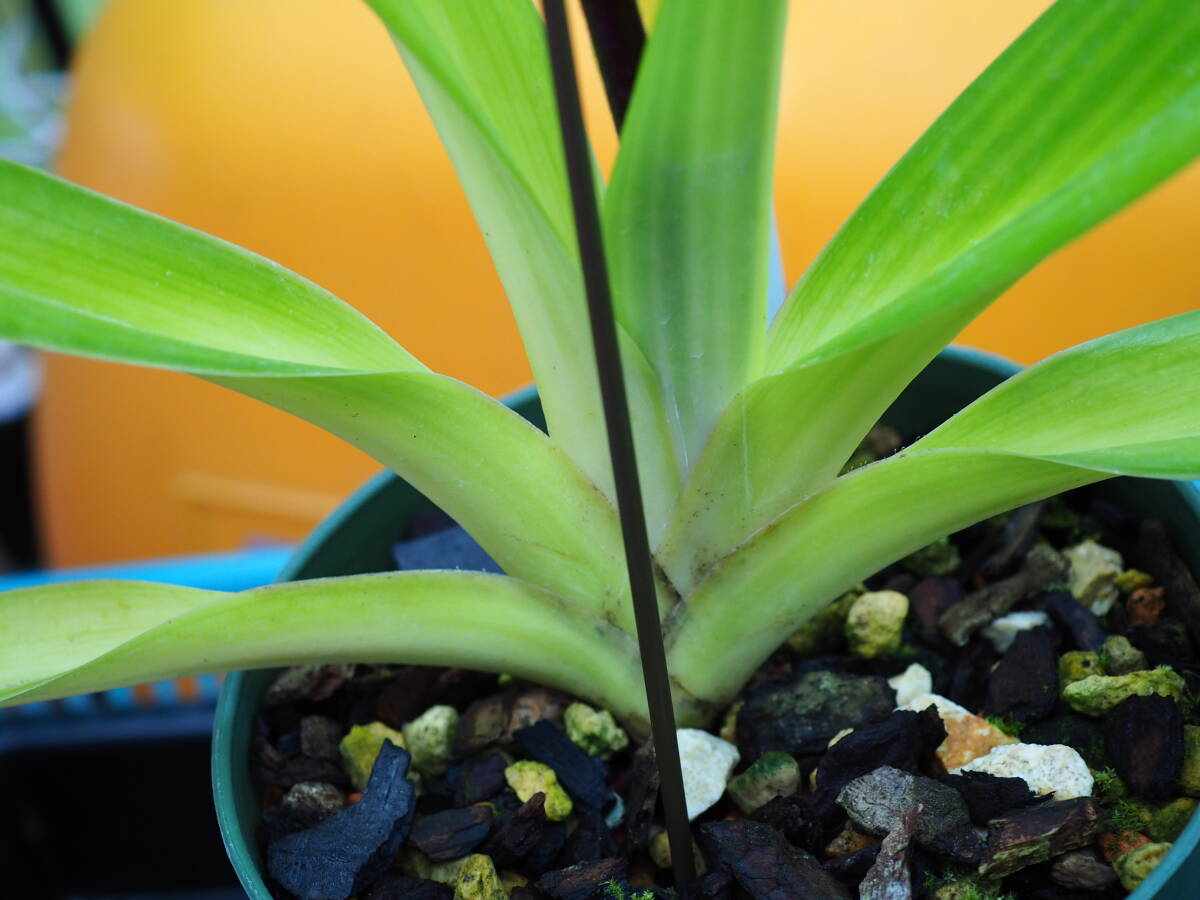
[(1145, 605), (1115, 843), (354, 798)]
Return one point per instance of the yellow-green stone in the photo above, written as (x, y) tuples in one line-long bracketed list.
[(1097, 694), (361, 746), (526, 778), (478, 880), (1135, 866)]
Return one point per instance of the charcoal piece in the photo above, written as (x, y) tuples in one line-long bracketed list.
[(641, 798), (989, 796), (1078, 623), (1024, 684), (320, 737), (1082, 733), (905, 740), (764, 864), (712, 886), (288, 744), (591, 840), (581, 775), (1143, 737), (890, 877), (394, 886), (800, 717), (1160, 560), (441, 793), (875, 803), (311, 802), (449, 548), (1082, 870), (1038, 833), (483, 723), (519, 833), (579, 881), (344, 854), (542, 858), (452, 833), (928, 600), (1165, 643), (1042, 568), (481, 779), (964, 679), (308, 682), (851, 870), (796, 818), (1012, 541)]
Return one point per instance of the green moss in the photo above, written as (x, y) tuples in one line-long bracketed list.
[(615, 891), (1008, 725), (1109, 787), (1129, 815)]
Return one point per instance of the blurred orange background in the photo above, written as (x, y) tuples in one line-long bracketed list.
[(291, 127)]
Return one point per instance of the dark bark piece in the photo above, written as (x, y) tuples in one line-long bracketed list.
[(990, 797), (347, 852), (452, 833), (483, 723), (1077, 622), (581, 775), (1161, 561), (407, 696), (320, 737), (877, 801), (579, 881), (965, 677), (1081, 732), (525, 892), (533, 705), (543, 855), (890, 878), (591, 840), (800, 717), (1165, 643), (928, 600), (796, 818), (394, 886), (1143, 737), (852, 869), (712, 886), (280, 771), (308, 682), (1024, 684), (1082, 870), (642, 798), (1038, 833), (481, 779), (1042, 568), (520, 833), (765, 865), (905, 740)]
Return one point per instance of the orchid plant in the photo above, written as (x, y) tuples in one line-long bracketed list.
[(742, 424)]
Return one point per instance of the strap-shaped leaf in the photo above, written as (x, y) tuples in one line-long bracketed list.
[(1127, 403), (1124, 404), (84, 274), (69, 638), (687, 217), (483, 72), (860, 523), (1094, 105)]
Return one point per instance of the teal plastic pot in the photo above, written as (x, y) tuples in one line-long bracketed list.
[(359, 538)]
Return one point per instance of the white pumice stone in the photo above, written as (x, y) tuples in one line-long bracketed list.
[(1046, 768), (1094, 569), (707, 762), (1004, 630), (911, 684)]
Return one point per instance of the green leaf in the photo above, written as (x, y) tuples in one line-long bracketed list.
[(84, 274), (483, 72), (687, 217), (69, 638), (1094, 105), (863, 521), (1127, 403), (1124, 404)]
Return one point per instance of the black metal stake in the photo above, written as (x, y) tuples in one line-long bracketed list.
[(620, 443)]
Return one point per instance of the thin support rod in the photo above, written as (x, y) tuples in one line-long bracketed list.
[(620, 443)]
